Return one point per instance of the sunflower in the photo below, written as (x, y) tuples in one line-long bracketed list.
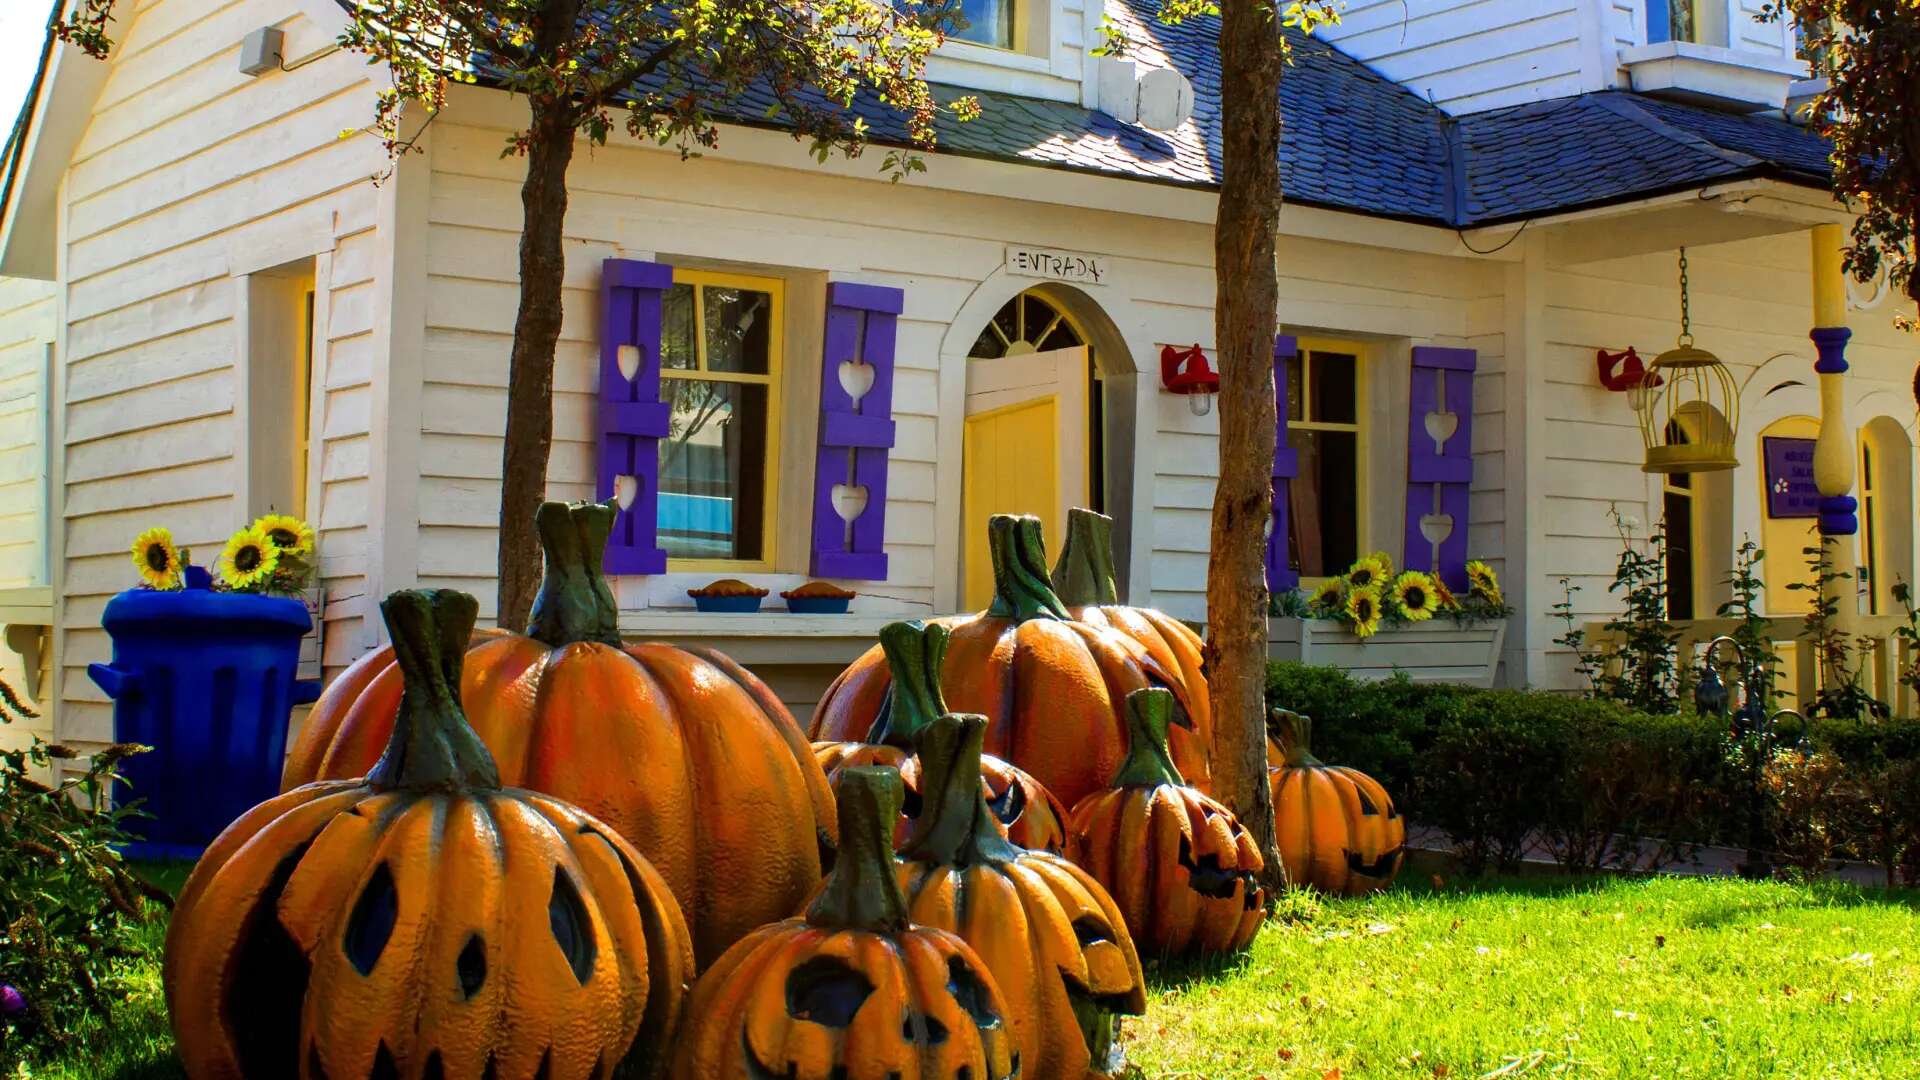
[(1443, 598), (249, 560), (1481, 578), (1363, 610), (1370, 572), (1327, 593), (291, 535), (157, 559), (1413, 591)]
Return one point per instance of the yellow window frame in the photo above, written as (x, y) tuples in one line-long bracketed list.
[(775, 289), (1361, 427)]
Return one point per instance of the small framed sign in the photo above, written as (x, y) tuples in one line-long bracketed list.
[(1055, 264), (1791, 492)]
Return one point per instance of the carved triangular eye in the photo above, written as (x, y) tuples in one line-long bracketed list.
[(1366, 805), (371, 923), (971, 994), (572, 929), (825, 991)]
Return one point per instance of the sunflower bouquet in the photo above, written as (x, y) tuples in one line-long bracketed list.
[(1371, 595), (272, 555)]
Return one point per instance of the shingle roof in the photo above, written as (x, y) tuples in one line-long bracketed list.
[(1355, 140)]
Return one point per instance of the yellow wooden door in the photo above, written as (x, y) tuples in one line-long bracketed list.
[(1025, 452)]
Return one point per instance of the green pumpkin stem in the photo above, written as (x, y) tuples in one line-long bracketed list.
[(1148, 764), (862, 893), (915, 652), (575, 603), (954, 826), (432, 747), (1294, 732), (1021, 589), (1084, 575)]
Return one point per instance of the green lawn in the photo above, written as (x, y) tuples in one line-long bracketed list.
[(1532, 977)]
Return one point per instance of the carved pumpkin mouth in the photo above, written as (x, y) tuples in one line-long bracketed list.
[(1383, 867), (1207, 877), (1098, 1017)]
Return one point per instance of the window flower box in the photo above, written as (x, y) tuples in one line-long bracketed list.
[(1438, 650)]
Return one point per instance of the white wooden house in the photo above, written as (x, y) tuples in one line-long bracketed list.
[(236, 316)]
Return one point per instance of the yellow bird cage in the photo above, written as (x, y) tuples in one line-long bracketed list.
[(1683, 384)]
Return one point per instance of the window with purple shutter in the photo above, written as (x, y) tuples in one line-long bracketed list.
[(856, 432), (633, 419), (1440, 462), (1286, 465)]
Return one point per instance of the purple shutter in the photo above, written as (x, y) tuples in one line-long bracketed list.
[(1439, 478), (632, 417), (1286, 465), (855, 435)]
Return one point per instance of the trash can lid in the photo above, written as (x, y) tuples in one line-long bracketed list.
[(136, 609)]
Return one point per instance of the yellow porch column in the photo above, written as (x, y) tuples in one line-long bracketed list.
[(1833, 453)]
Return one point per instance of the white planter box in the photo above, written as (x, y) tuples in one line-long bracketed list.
[(1434, 651)]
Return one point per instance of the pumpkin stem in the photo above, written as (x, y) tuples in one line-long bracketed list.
[(432, 747), (954, 826), (862, 892), (1084, 575), (1294, 731), (914, 650), (1148, 764), (575, 603), (1021, 590)]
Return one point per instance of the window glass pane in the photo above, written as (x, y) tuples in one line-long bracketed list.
[(1679, 512), (713, 470), (1335, 400), (1323, 512), (1296, 383), (737, 323), (676, 330), (988, 22)]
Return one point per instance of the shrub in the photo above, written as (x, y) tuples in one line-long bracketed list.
[(68, 904)]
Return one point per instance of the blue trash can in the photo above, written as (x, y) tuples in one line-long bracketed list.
[(208, 680)]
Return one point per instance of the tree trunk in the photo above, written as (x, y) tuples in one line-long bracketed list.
[(1245, 317), (536, 331)]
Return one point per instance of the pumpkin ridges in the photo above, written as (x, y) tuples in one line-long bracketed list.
[(824, 812), (329, 714)]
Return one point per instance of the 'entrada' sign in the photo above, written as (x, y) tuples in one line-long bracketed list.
[(1058, 265), (1791, 492)]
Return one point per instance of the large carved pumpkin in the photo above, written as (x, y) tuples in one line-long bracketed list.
[(1049, 934), (1052, 688), (1084, 580), (852, 989), (1184, 871), (423, 922), (1025, 810), (1336, 827), (685, 753)]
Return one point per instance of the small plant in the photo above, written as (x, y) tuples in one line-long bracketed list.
[(1586, 663), (1909, 673), (69, 906), (1840, 660), (1645, 670), (1808, 796), (1752, 635)]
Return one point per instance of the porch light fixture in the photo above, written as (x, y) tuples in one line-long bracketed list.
[(1684, 384), (1186, 371)]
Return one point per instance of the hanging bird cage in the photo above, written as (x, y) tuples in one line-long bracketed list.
[(1685, 392)]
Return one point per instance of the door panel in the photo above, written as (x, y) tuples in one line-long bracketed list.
[(1025, 452)]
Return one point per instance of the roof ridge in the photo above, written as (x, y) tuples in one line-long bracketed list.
[(1627, 106)]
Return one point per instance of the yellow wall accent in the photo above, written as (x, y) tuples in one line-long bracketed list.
[(1009, 462), (1784, 539)]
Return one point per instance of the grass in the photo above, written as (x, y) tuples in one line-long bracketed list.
[(1534, 977)]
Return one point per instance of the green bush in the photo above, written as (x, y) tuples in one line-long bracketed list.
[(1599, 784)]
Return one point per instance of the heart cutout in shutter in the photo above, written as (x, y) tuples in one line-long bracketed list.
[(856, 379), (629, 360), (625, 488), (1436, 527), (849, 501), (1441, 426)]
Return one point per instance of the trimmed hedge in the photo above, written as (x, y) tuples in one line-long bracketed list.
[(1599, 784)]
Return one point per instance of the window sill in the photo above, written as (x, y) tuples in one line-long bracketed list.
[(974, 53), (1731, 79), (765, 637)]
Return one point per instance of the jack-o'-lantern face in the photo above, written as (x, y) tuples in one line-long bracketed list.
[(1336, 827)]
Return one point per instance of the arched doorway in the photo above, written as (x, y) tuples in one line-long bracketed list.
[(1049, 425), (1697, 511), (1886, 512)]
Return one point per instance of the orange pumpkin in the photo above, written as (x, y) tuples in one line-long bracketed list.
[(1084, 580), (1052, 688), (682, 751), (852, 988), (1049, 934), (1184, 871), (1026, 811), (423, 921), (1336, 827)]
